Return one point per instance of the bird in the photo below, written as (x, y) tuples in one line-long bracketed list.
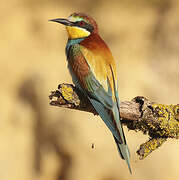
[(93, 70)]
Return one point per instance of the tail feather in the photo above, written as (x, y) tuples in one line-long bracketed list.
[(124, 152)]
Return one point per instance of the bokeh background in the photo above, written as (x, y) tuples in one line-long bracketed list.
[(40, 142)]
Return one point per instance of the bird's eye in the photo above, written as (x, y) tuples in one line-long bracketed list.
[(81, 23)]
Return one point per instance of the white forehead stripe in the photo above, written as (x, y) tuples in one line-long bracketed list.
[(74, 19)]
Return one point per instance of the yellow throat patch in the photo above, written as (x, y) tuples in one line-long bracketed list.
[(76, 32)]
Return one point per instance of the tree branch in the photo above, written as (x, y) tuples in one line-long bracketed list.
[(159, 121)]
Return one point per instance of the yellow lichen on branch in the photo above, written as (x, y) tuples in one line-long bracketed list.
[(149, 146), (167, 120)]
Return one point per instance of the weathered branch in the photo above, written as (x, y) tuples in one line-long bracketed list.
[(140, 114)]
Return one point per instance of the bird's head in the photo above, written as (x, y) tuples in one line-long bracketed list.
[(78, 25)]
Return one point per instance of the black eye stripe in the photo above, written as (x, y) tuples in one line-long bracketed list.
[(85, 25)]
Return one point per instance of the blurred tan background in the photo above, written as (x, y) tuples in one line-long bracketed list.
[(40, 142)]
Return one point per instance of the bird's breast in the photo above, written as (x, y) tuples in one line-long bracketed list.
[(78, 64)]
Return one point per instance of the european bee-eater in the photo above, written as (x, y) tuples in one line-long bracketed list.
[(93, 72)]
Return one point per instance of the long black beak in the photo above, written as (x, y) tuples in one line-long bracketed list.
[(65, 22)]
